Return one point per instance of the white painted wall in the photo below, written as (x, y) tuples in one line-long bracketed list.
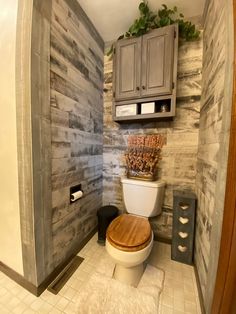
[(10, 238), (113, 18)]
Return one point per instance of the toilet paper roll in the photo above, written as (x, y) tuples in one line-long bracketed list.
[(75, 196)]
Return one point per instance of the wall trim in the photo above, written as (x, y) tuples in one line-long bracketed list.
[(224, 299), (37, 291), (24, 130), (200, 295), (41, 138), (18, 278), (34, 136), (205, 12)]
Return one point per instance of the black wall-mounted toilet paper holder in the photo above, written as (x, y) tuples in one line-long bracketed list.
[(74, 189)]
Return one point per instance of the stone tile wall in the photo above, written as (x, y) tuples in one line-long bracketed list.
[(178, 165), (215, 115), (76, 126)]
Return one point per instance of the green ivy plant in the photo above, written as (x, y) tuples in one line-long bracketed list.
[(149, 20)]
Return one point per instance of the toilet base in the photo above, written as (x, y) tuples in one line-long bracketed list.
[(128, 275)]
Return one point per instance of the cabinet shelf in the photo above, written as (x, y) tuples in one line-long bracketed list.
[(143, 117), (138, 115)]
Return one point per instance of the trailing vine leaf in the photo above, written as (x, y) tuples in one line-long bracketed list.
[(149, 20), (143, 8), (121, 37), (110, 51), (188, 30)]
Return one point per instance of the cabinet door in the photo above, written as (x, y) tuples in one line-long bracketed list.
[(157, 61), (127, 68)]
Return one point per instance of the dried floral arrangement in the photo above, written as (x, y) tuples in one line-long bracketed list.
[(143, 155)]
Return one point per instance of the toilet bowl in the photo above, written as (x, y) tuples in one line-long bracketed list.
[(129, 237), (129, 243)]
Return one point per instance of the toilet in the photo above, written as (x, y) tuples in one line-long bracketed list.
[(129, 237)]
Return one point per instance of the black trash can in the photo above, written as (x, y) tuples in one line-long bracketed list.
[(105, 216)]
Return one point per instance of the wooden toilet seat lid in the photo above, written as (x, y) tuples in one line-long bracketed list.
[(129, 233)]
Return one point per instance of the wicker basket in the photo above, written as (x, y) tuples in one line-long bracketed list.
[(139, 175)]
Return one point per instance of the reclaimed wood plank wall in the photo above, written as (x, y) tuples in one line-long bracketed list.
[(178, 165), (77, 124), (212, 159)]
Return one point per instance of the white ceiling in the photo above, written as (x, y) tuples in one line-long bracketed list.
[(113, 17)]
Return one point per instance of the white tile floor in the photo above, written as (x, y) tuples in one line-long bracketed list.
[(179, 293)]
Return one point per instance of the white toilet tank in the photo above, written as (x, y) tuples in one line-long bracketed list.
[(143, 198)]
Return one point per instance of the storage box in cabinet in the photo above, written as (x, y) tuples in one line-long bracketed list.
[(183, 226), (126, 110), (148, 107)]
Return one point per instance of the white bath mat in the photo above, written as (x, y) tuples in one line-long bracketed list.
[(104, 295)]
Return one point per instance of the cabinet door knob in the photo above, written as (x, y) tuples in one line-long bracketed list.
[(143, 87), (137, 88)]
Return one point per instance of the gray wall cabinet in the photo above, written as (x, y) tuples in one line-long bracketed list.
[(145, 70)]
